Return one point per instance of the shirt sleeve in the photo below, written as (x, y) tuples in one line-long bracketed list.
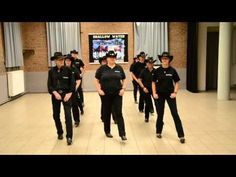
[(50, 82), (98, 73), (176, 76), (77, 75), (72, 81), (132, 68), (123, 76), (81, 63), (154, 77)]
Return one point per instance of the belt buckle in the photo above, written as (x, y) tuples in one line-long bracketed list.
[(60, 91)]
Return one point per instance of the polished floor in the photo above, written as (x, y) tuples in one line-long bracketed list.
[(27, 127)]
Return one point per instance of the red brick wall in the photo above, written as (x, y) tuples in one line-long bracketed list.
[(34, 37), (2, 66), (105, 27), (178, 43)]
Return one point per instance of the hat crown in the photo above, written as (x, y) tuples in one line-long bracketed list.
[(57, 54), (150, 60), (165, 54), (111, 53), (74, 51)]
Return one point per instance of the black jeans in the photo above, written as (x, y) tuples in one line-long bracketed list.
[(148, 104), (135, 91), (142, 98), (75, 109), (56, 105), (81, 94), (112, 111), (113, 101), (173, 108)]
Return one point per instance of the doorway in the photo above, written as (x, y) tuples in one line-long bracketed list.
[(212, 60)]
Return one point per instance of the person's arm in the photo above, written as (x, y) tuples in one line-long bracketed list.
[(154, 91), (77, 84), (123, 82), (98, 87), (51, 89), (124, 85), (82, 68), (71, 86), (176, 84), (142, 86), (176, 89), (134, 77)]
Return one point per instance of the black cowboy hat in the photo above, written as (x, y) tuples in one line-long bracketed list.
[(166, 54), (150, 60), (142, 54), (57, 55), (100, 59), (74, 51), (69, 56), (111, 53)]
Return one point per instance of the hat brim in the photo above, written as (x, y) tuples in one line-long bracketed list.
[(153, 61), (170, 57), (111, 56), (73, 51), (57, 58)]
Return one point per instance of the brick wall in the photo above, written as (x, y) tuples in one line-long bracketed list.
[(178, 43), (2, 66), (105, 27), (34, 37)]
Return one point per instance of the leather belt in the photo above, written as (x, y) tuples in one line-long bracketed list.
[(60, 91)]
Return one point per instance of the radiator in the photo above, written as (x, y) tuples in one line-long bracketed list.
[(16, 83)]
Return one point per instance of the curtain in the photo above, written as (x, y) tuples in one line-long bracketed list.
[(151, 37), (63, 37), (192, 44), (13, 44)]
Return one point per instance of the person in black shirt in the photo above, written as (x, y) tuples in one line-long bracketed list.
[(145, 82), (135, 84), (61, 85), (75, 97), (110, 81), (135, 72), (165, 86), (103, 61), (79, 64)]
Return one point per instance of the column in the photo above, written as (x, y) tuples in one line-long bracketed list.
[(225, 36)]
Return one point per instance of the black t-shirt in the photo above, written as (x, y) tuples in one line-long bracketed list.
[(78, 63), (62, 79), (146, 77), (137, 68), (131, 67), (76, 73), (110, 78), (164, 78)]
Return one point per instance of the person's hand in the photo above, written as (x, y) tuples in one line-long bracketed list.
[(67, 96), (57, 95), (173, 95), (145, 90), (155, 96), (101, 92), (122, 91)]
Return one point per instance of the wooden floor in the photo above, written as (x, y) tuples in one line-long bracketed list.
[(27, 127)]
